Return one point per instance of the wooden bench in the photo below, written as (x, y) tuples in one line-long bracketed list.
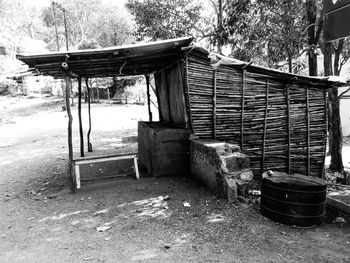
[(97, 159)]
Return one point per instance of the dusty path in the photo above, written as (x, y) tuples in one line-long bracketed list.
[(41, 221)]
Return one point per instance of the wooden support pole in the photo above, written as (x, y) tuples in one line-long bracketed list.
[(325, 135), (214, 104), (308, 131), (77, 176), (148, 98), (136, 168), (181, 69), (265, 126), (153, 88), (70, 141), (156, 91), (168, 94), (187, 94), (89, 145), (80, 120), (108, 96), (288, 128), (242, 108)]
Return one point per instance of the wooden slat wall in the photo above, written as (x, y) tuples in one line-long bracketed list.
[(271, 119)]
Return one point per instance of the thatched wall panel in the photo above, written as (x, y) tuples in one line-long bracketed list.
[(270, 118)]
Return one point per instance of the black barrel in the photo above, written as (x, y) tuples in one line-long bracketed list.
[(293, 199)]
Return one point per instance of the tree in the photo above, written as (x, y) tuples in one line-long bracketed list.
[(285, 24), (163, 19), (314, 19), (90, 23), (271, 31), (341, 56), (241, 23), (265, 31), (111, 29), (17, 21)]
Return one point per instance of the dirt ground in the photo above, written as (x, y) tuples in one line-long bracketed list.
[(140, 221)]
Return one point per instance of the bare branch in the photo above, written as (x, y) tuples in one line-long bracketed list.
[(341, 94), (319, 29)]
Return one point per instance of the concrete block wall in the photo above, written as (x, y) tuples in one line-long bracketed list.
[(221, 167), (163, 149)]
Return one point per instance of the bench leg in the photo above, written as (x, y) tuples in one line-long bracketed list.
[(77, 176), (136, 169)]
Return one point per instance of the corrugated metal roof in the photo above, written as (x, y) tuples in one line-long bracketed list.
[(217, 60), (137, 59)]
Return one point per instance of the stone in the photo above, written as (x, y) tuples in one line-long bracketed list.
[(235, 162), (246, 175), (242, 187), (230, 189), (218, 165), (244, 200)]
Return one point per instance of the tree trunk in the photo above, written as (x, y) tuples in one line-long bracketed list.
[(313, 35), (220, 29), (113, 89), (328, 71), (337, 54), (337, 136), (335, 141), (313, 69), (327, 61), (290, 64)]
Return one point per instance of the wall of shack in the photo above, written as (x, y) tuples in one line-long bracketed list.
[(280, 124), (171, 99)]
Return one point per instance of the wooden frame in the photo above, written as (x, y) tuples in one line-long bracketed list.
[(98, 159)]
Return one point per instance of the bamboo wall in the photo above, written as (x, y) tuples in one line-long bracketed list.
[(280, 124)]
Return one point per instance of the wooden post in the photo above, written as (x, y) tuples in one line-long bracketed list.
[(148, 99), (168, 93), (108, 96), (89, 145), (136, 168), (242, 108), (265, 123), (214, 104), (80, 120), (156, 91), (326, 133), (308, 131), (98, 94), (70, 143), (288, 127), (188, 95)]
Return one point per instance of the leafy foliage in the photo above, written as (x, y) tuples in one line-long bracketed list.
[(163, 19), (265, 31), (89, 23), (18, 20)]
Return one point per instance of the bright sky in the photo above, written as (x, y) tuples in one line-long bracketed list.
[(42, 3)]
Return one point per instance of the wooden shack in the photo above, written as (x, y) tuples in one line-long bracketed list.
[(278, 119)]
